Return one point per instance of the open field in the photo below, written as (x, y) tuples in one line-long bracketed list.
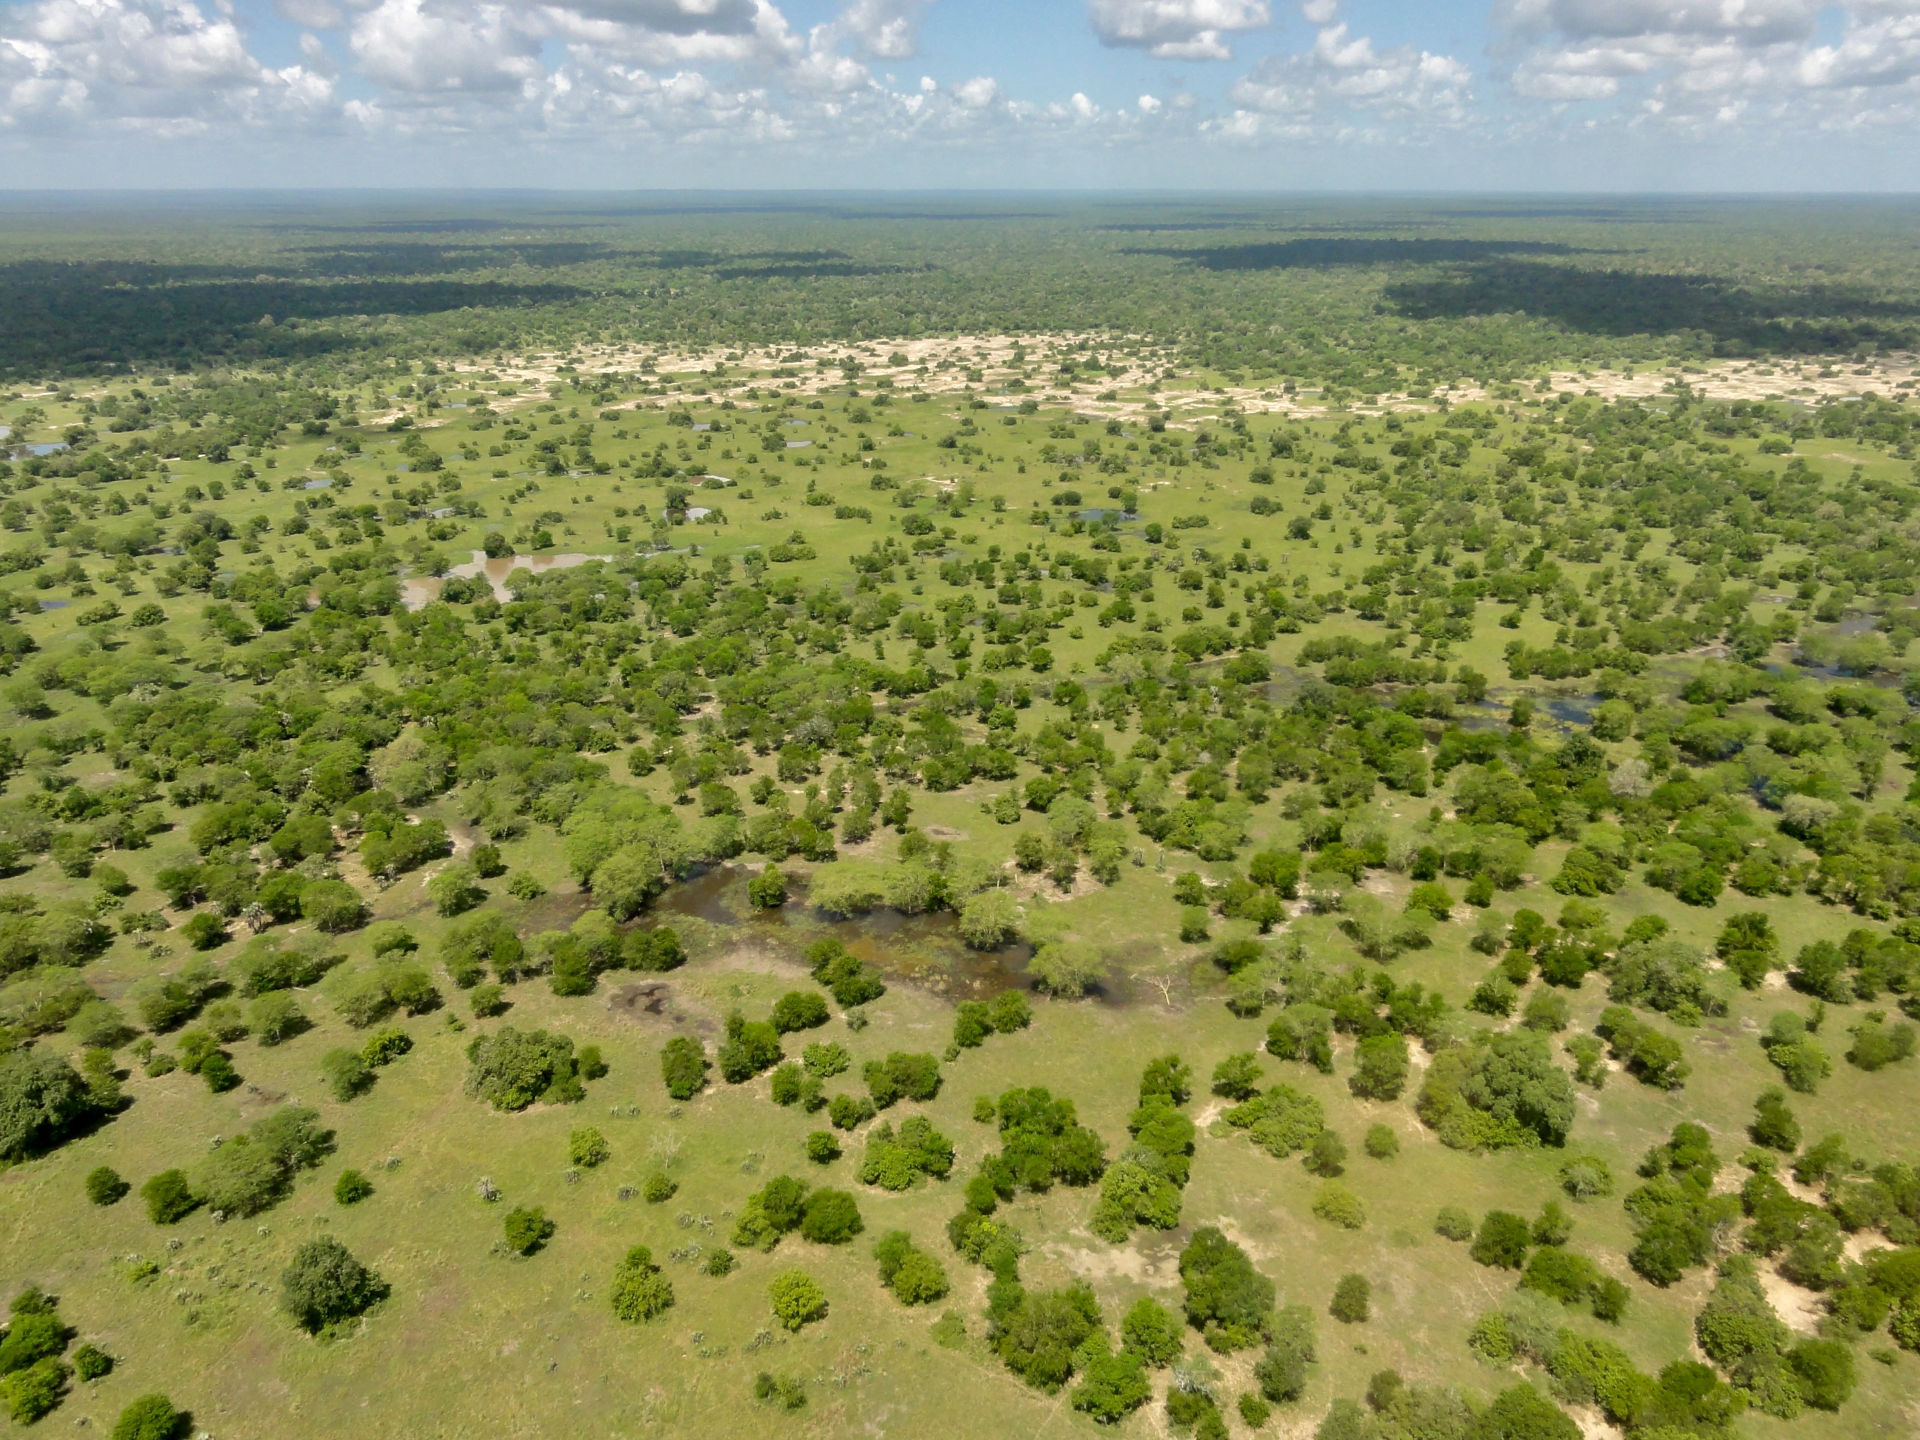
[(1245, 689)]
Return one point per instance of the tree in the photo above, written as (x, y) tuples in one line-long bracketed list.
[(511, 1069), (1352, 1300), (1227, 1300), (797, 1299), (42, 1100), (989, 919), (1380, 1067), (346, 1074), (325, 1285), (32, 1392), (1502, 1241), (1150, 1331), (768, 889), (152, 1417), (1523, 1413), (831, 1217), (683, 1064), (351, 1188), (1067, 969), (169, 1197), (639, 1291), (1112, 1386), (1281, 1372), (1039, 1335), (528, 1229), (105, 1187), (1238, 1076)]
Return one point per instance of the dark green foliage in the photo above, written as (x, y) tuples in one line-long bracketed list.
[(511, 1069), (1649, 1055), (1039, 1332), (324, 1286), (1774, 1125), (683, 1065), (1502, 1091), (799, 1010), (152, 1417), (90, 1362), (639, 1291), (1502, 1240), (34, 1392), (789, 1392), (773, 1211), (351, 1188), (1152, 1332), (852, 981), (1112, 1386), (1281, 1121), (42, 1101), (1237, 1077), (902, 1076), (749, 1049), (168, 1197), (105, 1187), (1226, 1299), (830, 1217), (1521, 1412), (899, 1161), (1352, 1300), (822, 1147), (528, 1229), (914, 1277), (1824, 1369)]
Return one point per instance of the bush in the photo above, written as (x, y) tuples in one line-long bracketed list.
[(831, 1217), (822, 1147), (639, 1291), (1453, 1223), (1226, 1299), (34, 1391), (1281, 1372), (1586, 1178), (90, 1362), (659, 1189), (105, 1187), (351, 1188), (527, 1229), (345, 1073), (587, 1148), (1238, 1076), (152, 1417), (797, 1299), (1381, 1143), (914, 1277), (42, 1101), (1326, 1156), (325, 1286), (683, 1065), (1337, 1205), (1150, 1331), (1825, 1371), (488, 1001), (1039, 1334), (749, 1049), (511, 1069), (799, 1010), (1352, 1300), (169, 1197), (1112, 1387), (1503, 1240)]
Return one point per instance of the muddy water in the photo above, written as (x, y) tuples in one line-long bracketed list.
[(925, 950), (419, 591)]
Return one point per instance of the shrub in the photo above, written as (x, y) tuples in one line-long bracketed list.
[(587, 1148), (639, 1291), (169, 1197), (325, 1286), (683, 1065), (799, 1010), (488, 1001), (42, 1100), (1238, 1076), (1586, 1178), (831, 1217), (1150, 1331), (351, 1188), (797, 1299), (276, 1018), (32, 1392), (1326, 1156), (1502, 1241), (90, 1362), (1039, 1334), (789, 1392), (152, 1417), (749, 1049), (345, 1073), (914, 1277), (822, 1147), (1112, 1386), (1226, 1299), (1381, 1143), (1453, 1223), (1337, 1205), (511, 1069), (1281, 1372), (1824, 1369), (105, 1187), (659, 1189), (527, 1229), (1352, 1300)]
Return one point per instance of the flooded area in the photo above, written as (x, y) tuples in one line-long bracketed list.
[(418, 591), (924, 950)]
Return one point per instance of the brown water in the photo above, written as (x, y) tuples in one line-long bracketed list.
[(418, 591), (924, 950)]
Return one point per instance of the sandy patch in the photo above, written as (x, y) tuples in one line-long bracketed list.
[(1799, 1308)]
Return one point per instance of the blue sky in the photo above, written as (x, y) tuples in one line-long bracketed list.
[(1516, 95)]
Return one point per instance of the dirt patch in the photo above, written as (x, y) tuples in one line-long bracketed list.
[(651, 1001), (1799, 1308)]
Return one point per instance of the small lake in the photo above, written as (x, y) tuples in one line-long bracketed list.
[(924, 950)]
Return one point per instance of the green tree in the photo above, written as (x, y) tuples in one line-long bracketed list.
[(324, 1285)]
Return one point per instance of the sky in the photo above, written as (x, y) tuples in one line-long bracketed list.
[(1552, 96)]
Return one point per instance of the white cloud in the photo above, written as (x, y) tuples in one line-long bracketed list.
[(977, 93), (1176, 29), (1720, 63), (161, 65), (884, 29), (418, 48), (1149, 105), (1346, 74)]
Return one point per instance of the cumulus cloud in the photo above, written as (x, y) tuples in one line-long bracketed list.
[(884, 29), (314, 14), (1176, 29), (160, 65), (1716, 61), (1344, 75)]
